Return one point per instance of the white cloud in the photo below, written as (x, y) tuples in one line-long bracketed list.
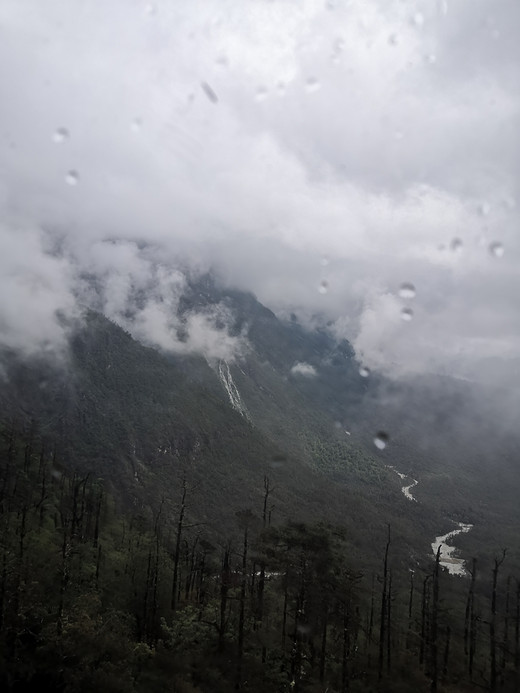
[(305, 369), (412, 129)]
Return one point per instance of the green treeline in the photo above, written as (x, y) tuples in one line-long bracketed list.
[(100, 596)]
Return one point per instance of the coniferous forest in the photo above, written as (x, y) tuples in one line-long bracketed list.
[(96, 595)]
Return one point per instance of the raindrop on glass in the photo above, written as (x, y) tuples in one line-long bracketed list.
[(312, 85), (431, 58), (72, 178), (443, 7), (60, 135), (222, 61), (407, 290), (339, 45), (456, 245), (137, 124), (418, 19), (323, 287), (381, 440), (393, 39), (209, 92), (484, 209), (364, 372), (280, 88), (407, 314), (261, 94), (150, 9), (496, 249), (324, 261)]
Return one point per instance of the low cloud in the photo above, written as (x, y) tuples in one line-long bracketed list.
[(47, 283), (37, 302), (305, 369), (350, 147)]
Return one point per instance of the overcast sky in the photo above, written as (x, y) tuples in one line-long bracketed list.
[(319, 154)]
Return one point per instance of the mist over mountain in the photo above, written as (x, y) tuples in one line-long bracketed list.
[(259, 346), (285, 401), (291, 428)]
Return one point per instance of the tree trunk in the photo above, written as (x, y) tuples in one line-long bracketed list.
[(345, 650), (323, 651), (434, 623), (384, 610), (241, 616), (177, 551), (424, 619), (492, 625), (224, 588)]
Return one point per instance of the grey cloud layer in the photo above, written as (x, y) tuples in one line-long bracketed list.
[(348, 146)]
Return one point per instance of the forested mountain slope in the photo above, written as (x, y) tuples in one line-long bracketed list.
[(212, 522)]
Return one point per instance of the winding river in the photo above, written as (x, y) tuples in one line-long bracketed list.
[(454, 565)]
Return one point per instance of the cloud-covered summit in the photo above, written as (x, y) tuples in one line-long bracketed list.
[(350, 146)]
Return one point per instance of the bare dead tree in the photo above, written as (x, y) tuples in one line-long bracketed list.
[(492, 623), (177, 549), (384, 609)]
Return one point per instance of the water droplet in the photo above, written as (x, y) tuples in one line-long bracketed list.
[(381, 440), (364, 372), (496, 249), (72, 178), (431, 59), (407, 314), (261, 94), (418, 19), (393, 39), (456, 245), (324, 286), (222, 61), (150, 9), (312, 85), (407, 290), (137, 124), (339, 45), (399, 135), (280, 88), (484, 209), (324, 261), (209, 92), (443, 7), (61, 135)]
